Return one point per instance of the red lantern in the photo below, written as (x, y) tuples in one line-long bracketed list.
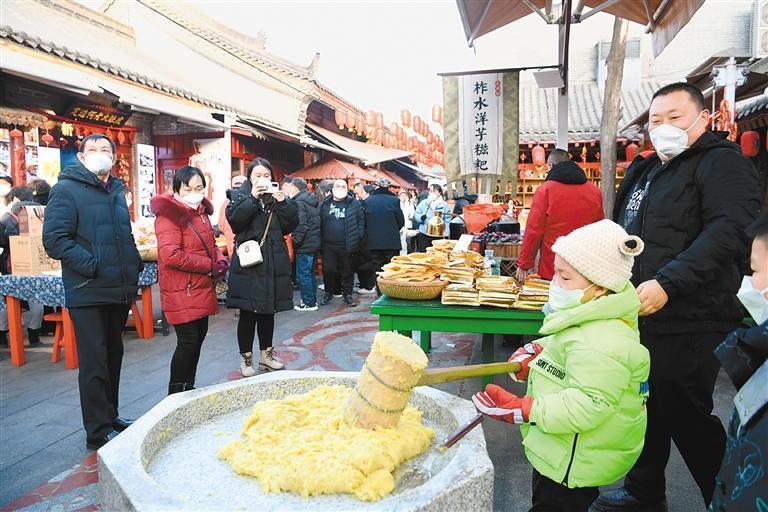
[(16, 133), (417, 124), (370, 118), (436, 113), (47, 138), (340, 119), (539, 155), (750, 143), (379, 120), (631, 150), (350, 121), (380, 135), (360, 124), (405, 117)]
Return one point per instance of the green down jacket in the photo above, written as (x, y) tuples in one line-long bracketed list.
[(589, 385)]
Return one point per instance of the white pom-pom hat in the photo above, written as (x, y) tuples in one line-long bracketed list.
[(602, 252)]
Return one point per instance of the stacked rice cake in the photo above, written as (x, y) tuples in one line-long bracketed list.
[(533, 295), (497, 291), (458, 294)]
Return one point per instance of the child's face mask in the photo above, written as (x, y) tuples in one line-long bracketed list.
[(561, 299)]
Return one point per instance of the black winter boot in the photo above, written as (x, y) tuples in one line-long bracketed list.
[(176, 387), (34, 337), (3, 338)]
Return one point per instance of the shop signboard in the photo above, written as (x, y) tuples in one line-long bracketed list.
[(98, 114)]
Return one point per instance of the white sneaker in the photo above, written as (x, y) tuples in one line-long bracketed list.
[(365, 291), (269, 362), (246, 365), (321, 286), (337, 296), (304, 307)]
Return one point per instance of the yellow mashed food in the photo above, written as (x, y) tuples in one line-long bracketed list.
[(302, 444)]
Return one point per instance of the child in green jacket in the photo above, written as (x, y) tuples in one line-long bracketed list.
[(584, 413)]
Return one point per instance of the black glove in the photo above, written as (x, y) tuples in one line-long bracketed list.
[(423, 218)]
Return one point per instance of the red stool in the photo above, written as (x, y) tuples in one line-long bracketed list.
[(63, 336)]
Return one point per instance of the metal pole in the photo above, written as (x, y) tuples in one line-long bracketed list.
[(729, 91), (562, 98)]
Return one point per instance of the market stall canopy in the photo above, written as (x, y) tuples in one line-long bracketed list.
[(17, 116), (702, 77), (396, 180), (663, 18), (334, 169), (369, 154)]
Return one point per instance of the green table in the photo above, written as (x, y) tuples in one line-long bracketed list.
[(406, 316)]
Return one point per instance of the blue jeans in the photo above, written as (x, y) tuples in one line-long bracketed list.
[(305, 272)]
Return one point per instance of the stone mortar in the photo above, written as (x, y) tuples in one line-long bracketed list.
[(167, 459)]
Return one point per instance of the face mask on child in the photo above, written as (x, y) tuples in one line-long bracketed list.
[(753, 300), (561, 299)]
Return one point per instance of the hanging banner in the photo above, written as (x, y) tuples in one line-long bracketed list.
[(146, 181), (48, 164), (214, 157), (481, 125)]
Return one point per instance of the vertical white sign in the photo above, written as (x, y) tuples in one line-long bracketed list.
[(147, 172), (481, 125)]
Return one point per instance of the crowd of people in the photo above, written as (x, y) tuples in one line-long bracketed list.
[(644, 307)]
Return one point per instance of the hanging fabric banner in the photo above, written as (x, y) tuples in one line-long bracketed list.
[(481, 126)]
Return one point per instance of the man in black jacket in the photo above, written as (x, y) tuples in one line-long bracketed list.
[(87, 226), (342, 224), (383, 222), (306, 242), (691, 203)]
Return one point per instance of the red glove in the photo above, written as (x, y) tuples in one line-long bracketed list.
[(499, 404), (219, 269), (524, 355)]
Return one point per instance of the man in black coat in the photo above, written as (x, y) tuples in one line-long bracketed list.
[(88, 227), (342, 224), (383, 222), (691, 203), (306, 242)]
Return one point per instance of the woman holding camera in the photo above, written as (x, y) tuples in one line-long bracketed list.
[(189, 265), (260, 213)]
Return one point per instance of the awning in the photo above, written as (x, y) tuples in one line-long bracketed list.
[(369, 154), (34, 66), (147, 100), (396, 180), (664, 18), (334, 169)]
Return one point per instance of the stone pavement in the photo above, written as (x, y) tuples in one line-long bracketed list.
[(44, 465)]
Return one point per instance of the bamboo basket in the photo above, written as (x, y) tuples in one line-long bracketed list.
[(408, 290)]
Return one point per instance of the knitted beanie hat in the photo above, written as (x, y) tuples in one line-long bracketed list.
[(602, 252)]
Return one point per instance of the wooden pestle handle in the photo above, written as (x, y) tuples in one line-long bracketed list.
[(440, 375)]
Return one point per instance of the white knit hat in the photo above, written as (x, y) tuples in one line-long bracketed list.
[(602, 252)]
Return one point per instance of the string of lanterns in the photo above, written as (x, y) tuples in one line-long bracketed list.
[(427, 146)]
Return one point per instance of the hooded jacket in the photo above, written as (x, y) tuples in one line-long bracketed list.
[(564, 202), (264, 288), (692, 219), (587, 424), (89, 230), (306, 236), (184, 262), (383, 221)]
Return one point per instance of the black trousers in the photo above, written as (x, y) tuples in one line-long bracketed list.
[(365, 269), (379, 258), (337, 262), (189, 341), (550, 496), (683, 374), (99, 332), (247, 325)]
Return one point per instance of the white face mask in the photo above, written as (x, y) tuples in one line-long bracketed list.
[(669, 141), (753, 300), (4, 191), (561, 299), (339, 194), (98, 163), (193, 199)]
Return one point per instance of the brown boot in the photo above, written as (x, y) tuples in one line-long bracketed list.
[(269, 362)]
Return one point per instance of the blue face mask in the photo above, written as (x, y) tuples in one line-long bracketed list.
[(561, 299)]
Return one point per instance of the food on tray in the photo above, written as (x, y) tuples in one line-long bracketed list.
[(458, 275), (444, 245), (410, 273), (533, 295), (302, 444), (497, 283)]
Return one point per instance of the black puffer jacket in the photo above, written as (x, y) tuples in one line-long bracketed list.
[(266, 287), (742, 478), (89, 230), (692, 220), (354, 220), (383, 221), (306, 236)]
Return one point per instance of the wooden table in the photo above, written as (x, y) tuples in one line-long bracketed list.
[(426, 317), (49, 291)]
